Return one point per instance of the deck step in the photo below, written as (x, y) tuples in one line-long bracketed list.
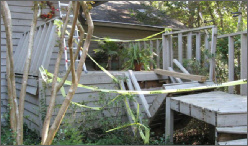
[(233, 130), (234, 142)]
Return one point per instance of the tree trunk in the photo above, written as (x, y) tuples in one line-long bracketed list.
[(10, 64), (45, 127), (55, 126), (26, 71)]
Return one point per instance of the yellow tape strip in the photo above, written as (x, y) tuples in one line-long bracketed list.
[(231, 83)]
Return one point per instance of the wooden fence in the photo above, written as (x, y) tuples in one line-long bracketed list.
[(169, 51), (243, 67)]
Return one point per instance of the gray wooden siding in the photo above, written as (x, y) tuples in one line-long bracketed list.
[(22, 15), (89, 97)]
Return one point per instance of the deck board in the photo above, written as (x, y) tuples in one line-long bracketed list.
[(234, 142), (230, 103), (216, 107)]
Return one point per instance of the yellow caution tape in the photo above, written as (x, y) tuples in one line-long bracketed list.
[(96, 89)]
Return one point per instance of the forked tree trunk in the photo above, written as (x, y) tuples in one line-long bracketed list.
[(75, 76), (10, 66), (26, 71), (50, 109)]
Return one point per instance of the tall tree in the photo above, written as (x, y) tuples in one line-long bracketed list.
[(17, 121)]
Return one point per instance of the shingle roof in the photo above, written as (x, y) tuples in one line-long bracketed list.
[(119, 11)]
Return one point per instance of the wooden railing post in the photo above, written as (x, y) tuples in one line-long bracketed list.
[(171, 50), (180, 48), (230, 62), (166, 53), (189, 45), (158, 53), (206, 42), (243, 89), (198, 47), (213, 49), (151, 57)]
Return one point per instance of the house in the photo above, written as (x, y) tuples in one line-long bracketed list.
[(114, 21)]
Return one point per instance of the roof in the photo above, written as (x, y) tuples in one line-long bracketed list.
[(119, 12)]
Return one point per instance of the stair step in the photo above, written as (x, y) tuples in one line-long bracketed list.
[(64, 5), (234, 142), (63, 15), (234, 130)]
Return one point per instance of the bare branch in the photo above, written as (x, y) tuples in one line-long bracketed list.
[(66, 103), (46, 124), (75, 16), (10, 61), (26, 69)]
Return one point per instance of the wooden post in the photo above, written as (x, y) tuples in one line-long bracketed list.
[(139, 45), (180, 47), (230, 62), (177, 79), (145, 47), (206, 44), (213, 49), (169, 121), (171, 50), (151, 57), (243, 89), (189, 45), (166, 52), (198, 46), (141, 96), (179, 65), (158, 53), (126, 102), (166, 55)]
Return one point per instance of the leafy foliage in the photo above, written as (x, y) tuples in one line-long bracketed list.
[(134, 54)]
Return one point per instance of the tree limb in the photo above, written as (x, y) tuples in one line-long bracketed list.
[(46, 124)]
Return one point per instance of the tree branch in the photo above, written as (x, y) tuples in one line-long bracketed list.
[(46, 124)]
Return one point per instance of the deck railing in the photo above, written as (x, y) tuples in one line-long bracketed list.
[(168, 54), (243, 60)]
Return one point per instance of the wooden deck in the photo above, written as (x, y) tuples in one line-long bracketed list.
[(227, 112)]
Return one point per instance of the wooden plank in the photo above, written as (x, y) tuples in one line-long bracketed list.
[(180, 66), (181, 75), (20, 59), (180, 47), (189, 45), (23, 66), (130, 87), (158, 53), (232, 34), (151, 57), (177, 79), (35, 46), (169, 121), (49, 49), (234, 130), (198, 47), (39, 49), (213, 49), (206, 45), (171, 50), (190, 30), (243, 88), (234, 142), (166, 54), (141, 96), (148, 76), (44, 45), (17, 51), (230, 63), (128, 105), (232, 119)]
